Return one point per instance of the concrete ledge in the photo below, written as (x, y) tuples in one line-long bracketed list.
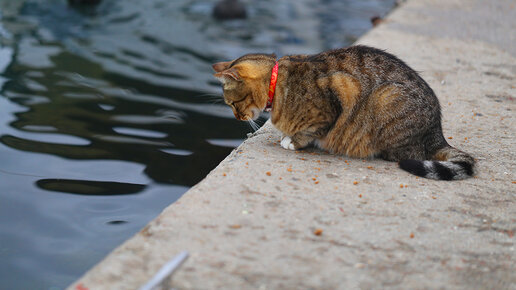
[(252, 223)]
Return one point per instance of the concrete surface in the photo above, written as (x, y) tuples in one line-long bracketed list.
[(268, 218)]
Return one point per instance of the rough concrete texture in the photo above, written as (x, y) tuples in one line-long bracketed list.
[(271, 218)]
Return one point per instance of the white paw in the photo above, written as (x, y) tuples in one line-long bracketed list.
[(286, 143)]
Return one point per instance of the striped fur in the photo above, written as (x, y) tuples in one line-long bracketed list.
[(453, 164)]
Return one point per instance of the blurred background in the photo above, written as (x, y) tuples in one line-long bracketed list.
[(109, 113)]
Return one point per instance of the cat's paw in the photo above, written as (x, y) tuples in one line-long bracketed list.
[(286, 143)]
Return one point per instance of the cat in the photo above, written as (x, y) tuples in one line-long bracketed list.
[(357, 101)]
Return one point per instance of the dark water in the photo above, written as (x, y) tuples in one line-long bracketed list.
[(109, 113)]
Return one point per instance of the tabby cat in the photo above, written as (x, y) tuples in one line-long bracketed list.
[(358, 101)]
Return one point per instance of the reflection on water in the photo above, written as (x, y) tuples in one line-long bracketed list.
[(110, 113), (89, 187)]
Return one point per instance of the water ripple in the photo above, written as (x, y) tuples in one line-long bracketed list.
[(139, 132)]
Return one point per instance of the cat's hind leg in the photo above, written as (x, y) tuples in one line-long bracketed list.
[(402, 118)]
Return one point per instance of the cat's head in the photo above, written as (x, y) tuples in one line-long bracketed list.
[(245, 83)]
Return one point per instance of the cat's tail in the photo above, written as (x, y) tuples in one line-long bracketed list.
[(448, 164)]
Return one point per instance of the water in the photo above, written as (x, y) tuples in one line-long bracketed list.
[(108, 114)]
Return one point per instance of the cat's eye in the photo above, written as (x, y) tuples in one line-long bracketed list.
[(239, 100), (232, 103)]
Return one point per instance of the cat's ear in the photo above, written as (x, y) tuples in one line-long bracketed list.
[(223, 72), (231, 73), (221, 66)]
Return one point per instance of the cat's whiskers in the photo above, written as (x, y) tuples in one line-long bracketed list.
[(208, 95), (252, 124), (212, 98), (216, 101), (260, 121)]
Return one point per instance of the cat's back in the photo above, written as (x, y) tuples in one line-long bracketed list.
[(370, 65)]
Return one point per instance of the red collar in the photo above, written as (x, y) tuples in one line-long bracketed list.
[(272, 87)]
